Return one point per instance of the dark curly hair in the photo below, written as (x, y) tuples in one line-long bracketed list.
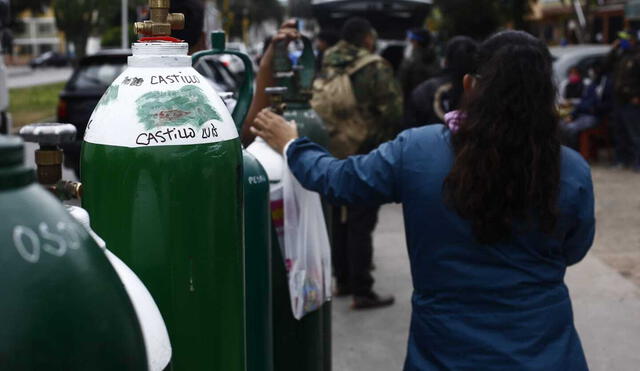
[(506, 171)]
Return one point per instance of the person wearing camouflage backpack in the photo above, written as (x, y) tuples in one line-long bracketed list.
[(361, 108), (356, 93), (361, 105)]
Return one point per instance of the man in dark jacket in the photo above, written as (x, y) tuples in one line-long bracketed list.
[(625, 59), (421, 65), (432, 99), (380, 106)]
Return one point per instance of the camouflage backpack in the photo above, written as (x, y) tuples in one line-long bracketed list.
[(334, 100)]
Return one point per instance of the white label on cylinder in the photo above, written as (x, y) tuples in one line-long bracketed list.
[(147, 107)]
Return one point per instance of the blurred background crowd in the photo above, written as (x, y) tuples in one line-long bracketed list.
[(427, 43)]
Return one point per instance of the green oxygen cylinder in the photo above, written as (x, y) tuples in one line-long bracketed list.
[(162, 174), (64, 306), (257, 228), (298, 81), (257, 219), (304, 344)]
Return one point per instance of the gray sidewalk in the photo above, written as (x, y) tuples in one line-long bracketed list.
[(606, 306)]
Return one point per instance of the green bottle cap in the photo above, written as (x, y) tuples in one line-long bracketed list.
[(11, 151), (13, 173)]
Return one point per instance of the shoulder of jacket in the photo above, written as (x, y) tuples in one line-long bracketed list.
[(574, 165), (427, 133)]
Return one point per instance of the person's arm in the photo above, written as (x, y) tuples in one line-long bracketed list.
[(366, 179), (372, 178), (580, 238), (265, 78)]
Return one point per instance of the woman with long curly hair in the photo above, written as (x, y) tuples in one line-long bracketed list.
[(495, 210)]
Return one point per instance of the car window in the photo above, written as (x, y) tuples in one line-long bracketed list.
[(95, 76), (214, 70)]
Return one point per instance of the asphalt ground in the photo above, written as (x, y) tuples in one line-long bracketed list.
[(23, 77)]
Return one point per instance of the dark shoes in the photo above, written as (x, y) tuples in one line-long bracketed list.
[(371, 301), (342, 291)]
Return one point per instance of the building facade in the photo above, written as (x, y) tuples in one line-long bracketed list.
[(580, 21), (39, 35)]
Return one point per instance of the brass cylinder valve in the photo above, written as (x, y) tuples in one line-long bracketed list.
[(276, 96), (161, 22)]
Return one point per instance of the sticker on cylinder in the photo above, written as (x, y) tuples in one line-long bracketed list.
[(147, 107)]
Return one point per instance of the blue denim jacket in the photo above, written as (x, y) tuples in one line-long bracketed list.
[(475, 307)]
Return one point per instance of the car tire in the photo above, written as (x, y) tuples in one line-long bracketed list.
[(5, 123)]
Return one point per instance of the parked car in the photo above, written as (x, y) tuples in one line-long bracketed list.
[(583, 56), (216, 69), (390, 18), (92, 77), (81, 94), (49, 59), (5, 118)]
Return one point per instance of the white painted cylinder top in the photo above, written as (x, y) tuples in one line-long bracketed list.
[(160, 54)]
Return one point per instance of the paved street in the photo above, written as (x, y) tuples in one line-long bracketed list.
[(23, 77), (606, 304)]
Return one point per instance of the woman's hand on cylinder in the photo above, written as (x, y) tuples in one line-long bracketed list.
[(274, 129), (288, 31)]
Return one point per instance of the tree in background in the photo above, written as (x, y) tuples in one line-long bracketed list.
[(18, 6), (515, 11), (79, 19), (111, 32), (480, 18), (238, 14)]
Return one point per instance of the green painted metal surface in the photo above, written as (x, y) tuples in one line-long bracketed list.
[(245, 94), (308, 122), (174, 215), (64, 306), (257, 222), (305, 344), (297, 345)]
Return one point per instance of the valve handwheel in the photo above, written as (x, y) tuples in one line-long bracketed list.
[(49, 157)]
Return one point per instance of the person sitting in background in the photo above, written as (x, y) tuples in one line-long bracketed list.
[(432, 99), (595, 105), (494, 213), (572, 88), (422, 63)]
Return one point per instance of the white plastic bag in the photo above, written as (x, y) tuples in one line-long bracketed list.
[(306, 252)]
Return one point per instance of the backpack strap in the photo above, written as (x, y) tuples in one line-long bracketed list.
[(362, 62)]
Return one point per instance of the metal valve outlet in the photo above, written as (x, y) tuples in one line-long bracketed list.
[(49, 157)]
